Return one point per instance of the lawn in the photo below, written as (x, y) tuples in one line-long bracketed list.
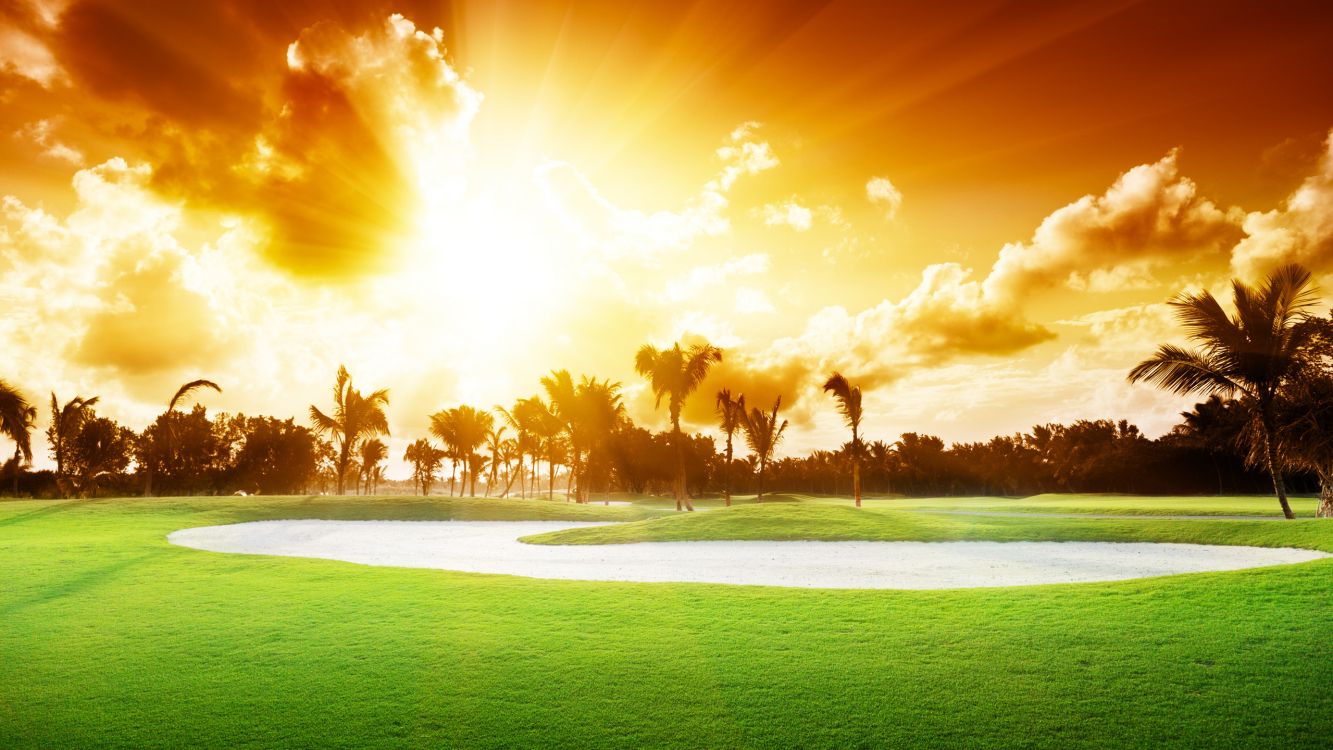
[(111, 637)]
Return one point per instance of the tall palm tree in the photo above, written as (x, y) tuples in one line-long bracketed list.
[(355, 417), (169, 435), (526, 418), (495, 440), (372, 454), (444, 425), (563, 396), (674, 374), (17, 418), (762, 434), (849, 405), (65, 422), (731, 411), (1252, 353)]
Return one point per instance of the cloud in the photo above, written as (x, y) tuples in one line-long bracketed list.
[(881, 192), (751, 301), (23, 26), (1150, 216), (41, 133), (1301, 231), (789, 213), (612, 231)]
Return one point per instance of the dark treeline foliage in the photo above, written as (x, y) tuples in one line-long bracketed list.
[(1086, 456), (1203, 454), (201, 456)]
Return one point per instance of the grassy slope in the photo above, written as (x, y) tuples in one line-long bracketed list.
[(109, 636), (828, 522)]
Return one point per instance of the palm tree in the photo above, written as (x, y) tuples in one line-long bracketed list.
[(600, 414), (495, 441), (1253, 353), (588, 413), (169, 434), (526, 418), (731, 411), (372, 454), (463, 430), (65, 422), (849, 405), (1305, 412), (425, 459), (444, 425), (17, 418), (355, 417), (762, 434), (675, 373)]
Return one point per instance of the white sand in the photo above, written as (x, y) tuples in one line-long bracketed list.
[(492, 547)]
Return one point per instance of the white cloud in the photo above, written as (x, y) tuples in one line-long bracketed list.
[(789, 213), (1301, 231), (881, 192), (1150, 216), (41, 133)]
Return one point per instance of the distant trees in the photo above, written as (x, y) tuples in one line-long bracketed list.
[(268, 456), (355, 417), (1254, 353), (66, 423), (425, 459), (762, 434), (674, 374), (730, 412), (848, 397), (371, 454), (462, 429), (147, 448)]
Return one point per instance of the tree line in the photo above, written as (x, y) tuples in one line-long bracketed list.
[(1266, 369)]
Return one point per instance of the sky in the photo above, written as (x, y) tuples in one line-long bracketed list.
[(977, 211)]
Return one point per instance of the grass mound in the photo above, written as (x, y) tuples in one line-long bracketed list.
[(826, 522)]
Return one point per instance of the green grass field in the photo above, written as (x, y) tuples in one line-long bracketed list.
[(111, 637)]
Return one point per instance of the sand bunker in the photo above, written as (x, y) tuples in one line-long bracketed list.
[(493, 547)]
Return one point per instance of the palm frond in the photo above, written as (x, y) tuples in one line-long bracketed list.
[(189, 388), (1182, 371)]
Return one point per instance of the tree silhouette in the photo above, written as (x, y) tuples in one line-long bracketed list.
[(849, 405), (65, 423), (1254, 352), (355, 417), (730, 411), (169, 434), (762, 434), (463, 430), (588, 412), (425, 459), (495, 447), (372, 454), (17, 418), (674, 374)]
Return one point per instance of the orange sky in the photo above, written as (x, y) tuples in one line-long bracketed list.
[(976, 209)]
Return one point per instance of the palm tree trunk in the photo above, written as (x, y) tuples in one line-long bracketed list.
[(856, 480), (342, 468), (1325, 496), (726, 475), (1274, 469), (550, 482), (16, 470)]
